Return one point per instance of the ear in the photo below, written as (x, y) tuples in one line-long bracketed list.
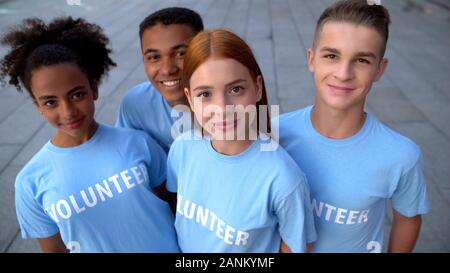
[(259, 87), (187, 94), (38, 108), (380, 69), (310, 56)]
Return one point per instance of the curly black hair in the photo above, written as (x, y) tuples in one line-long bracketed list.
[(170, 16), (64, 40)]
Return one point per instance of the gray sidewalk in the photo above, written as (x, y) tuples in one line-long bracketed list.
[(413, 96)]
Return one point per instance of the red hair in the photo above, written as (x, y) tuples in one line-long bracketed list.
[(223, 44)]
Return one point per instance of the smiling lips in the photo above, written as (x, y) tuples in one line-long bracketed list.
[(170, 83), (340, 89), (75, 123), (226, 125)]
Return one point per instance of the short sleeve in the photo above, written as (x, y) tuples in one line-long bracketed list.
[(33, 221), (122, 119), (172, 177), (157, 171), (410, 196), (296, 221)]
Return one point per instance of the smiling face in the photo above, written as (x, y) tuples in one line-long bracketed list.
[(65, 98), (163, 49), (216, 84), (346, 61)]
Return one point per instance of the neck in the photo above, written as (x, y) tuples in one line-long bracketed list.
[(231, 147), (182, 101), (336, 123), (66, 141), (237, 144)]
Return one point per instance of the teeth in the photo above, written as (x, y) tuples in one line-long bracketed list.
[(171, 83)]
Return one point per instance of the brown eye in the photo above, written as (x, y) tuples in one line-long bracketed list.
[(236, 89), (364, 61), (153, 58), (78, 95), (204, 94), (49, 103), (180, 53)]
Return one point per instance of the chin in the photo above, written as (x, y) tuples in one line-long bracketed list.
[(333, 103), (175, 98)]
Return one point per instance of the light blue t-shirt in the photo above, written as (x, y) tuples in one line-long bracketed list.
[(242, 203), (143, 108), (98, 195), (351, 180)]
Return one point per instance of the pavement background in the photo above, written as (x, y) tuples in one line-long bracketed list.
[(412, 97)]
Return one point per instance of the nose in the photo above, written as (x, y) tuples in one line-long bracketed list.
[(68, 110), (169, 66), (216, 107), (344, 71), (224, 106)]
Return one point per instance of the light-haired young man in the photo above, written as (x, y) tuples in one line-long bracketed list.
[(353, 162)]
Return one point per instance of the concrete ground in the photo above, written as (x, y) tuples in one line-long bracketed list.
[(413, 96)]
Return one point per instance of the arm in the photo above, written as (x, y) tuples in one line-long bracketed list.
[(284, 248), (53, 244), (170, 197), (404, 233)]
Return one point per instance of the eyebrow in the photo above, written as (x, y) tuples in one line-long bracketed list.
[(359, 54), (235, 82), (152, 50), (329, 49), (71, 91), (366, 54), (203, 87)]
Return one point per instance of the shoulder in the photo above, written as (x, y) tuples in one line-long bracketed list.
[(139, 92), (131, 142), (287, 165), (186, 140), (404, 150), (285, 172), (120, 132), (120, 136), (292, 125), (294, 115), (35, 170)]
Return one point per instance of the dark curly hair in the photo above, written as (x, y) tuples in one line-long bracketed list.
[(64, 40), (170, 16)]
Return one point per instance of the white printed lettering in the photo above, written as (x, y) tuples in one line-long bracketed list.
[(75, 205), (126, 179)]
